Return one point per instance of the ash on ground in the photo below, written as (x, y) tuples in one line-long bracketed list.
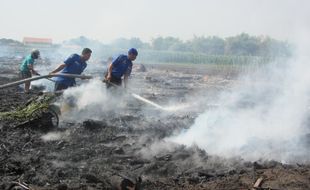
[(126, 148)]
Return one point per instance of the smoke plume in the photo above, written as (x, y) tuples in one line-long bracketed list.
[(264, 116)]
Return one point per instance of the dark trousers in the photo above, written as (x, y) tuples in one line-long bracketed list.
[(25, 74), (114, 81), (60, 86)]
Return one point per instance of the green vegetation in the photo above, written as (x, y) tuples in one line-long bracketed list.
[(240, 49), (199, 58), (30, 111), (240, 45)]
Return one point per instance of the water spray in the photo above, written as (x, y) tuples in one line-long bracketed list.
[(138, 97), (16, 83), (147, 101)]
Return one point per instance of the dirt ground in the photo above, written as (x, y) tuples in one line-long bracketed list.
[(119, 149)]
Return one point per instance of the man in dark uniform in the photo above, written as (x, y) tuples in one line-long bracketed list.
[(120, 67), (75, 64)]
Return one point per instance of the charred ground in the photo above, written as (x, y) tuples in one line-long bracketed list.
[(99, 153)]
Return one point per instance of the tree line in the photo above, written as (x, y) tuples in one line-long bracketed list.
[(239, 45)]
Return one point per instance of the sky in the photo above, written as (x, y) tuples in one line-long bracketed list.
[(106, 20)]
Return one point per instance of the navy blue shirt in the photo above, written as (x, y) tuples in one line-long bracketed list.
[(120, 66), (74, 65)]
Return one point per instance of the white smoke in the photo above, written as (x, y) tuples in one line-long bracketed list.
[(55, 136), (91, 100), (262, 117)]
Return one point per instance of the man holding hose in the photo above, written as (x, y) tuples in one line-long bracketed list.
[(120, 67), (75, 64)]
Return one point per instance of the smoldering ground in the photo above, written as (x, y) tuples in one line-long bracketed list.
[(265, 116), (100, 136)]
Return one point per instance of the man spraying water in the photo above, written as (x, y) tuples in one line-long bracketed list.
[(120, 67)]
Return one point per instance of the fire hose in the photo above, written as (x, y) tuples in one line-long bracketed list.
[(16, 83), (136, 96)]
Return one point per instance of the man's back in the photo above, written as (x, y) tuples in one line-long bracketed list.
[(121, 65), (24, 66), (74, 65)]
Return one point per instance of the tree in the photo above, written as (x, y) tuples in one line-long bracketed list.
[(137, 43), (122, 43), (161, 43), (84, 42), (211, 45), (125, 43), (242, 44)]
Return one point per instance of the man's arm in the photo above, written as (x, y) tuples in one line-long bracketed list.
[(110, 71), (59, 68), (126, 76), (115, 64), (30, 67), (67, 62)]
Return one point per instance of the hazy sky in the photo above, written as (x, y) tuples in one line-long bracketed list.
[(106, 20)]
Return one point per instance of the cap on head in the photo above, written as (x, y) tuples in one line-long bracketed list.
[(133, 51), (35, 53)]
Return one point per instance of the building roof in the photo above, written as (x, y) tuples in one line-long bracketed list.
[(37, 40)]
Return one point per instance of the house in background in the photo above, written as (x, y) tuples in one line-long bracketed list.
[(38, 42)]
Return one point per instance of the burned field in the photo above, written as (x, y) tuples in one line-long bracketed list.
[(127, 146)]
